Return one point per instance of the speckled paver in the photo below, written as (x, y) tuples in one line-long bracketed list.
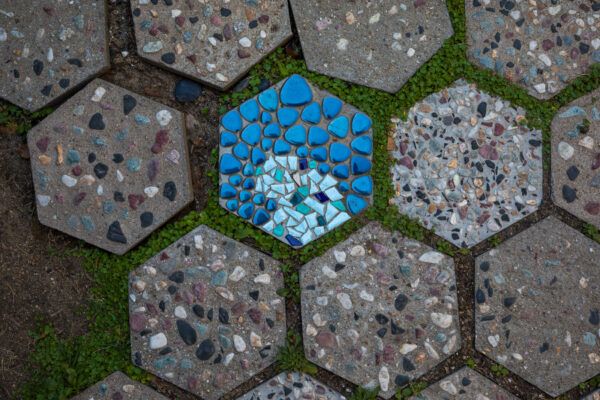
[(49, 48), (464, 165), (204, 313), (539, 45), (292, 386), (377, 44), (295, 161), (215, 42), (576, 158), (379, 309), (464, 384), (537, 302), (118, 386), (592, 396), (109, 166)]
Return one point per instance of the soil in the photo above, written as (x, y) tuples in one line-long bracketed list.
[(33, 284)]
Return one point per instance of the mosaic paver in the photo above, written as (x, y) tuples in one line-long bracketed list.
[(109, 166), (576, 158), (465, 384), (378, 44), (48, 48), (537, 302), (379, 309), (295, 161), (592, 396), (215, 42), (464, 166), (204, 313), (540, 45), (292, 386), (118, 386)]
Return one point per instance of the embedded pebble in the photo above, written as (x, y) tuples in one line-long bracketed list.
[(293, 385)]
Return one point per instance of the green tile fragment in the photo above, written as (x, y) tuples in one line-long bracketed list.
[(339, 205), (312, 164), (303, 208), (296, 199), (278, 231), (278, 175), (321, 220), (259, 171), (303, 191)]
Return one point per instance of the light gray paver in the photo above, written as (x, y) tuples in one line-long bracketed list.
[(295, 161), (576, 158), (538, 45), (378, 44), (215, 42), (379, 309), (292, 386), (110, 166), (537, 302), (204, 313), (50, 48), (464, 165), (118, 386), (464, 384)]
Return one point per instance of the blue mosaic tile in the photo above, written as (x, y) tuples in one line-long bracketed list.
[(289, 165)]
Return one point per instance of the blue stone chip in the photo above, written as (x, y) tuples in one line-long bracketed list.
[(312, 113), (295, 91), (339, 126), (232, 121), (331, 107), (339, 152), (250, 110), (229, 164)]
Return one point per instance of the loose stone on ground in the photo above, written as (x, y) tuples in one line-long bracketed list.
[(379, 309), (214, 42), (537, 306), (576, 158), (118, 386), (295, 161), (109, 166), (465, 166), (292, 386), (538, 45), (49, 48), (465, 384), (377, 44), (204, 313)]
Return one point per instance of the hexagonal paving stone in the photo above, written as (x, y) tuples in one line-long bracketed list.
[(464, 166), (379, 309), (465, 384), (592, 396), (576, 158), (292, 386), (119, 386), (540, 46), (378, 44), (295, 161), (110, 166), (214, 42), (204, 313), (537, 303), (49, 48)]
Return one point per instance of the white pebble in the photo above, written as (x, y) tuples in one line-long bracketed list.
[(69, 181), (158, 341), (329, 272), (565, 150), (407, 348), (384, 378), (442, 320), (180, 312), (342, 44), (255, 340), (344, 300), (245, 42), (449, 387), (151, 191), (357, 251), (366, 296), (198, 242), (98, 94), (263, 278), (494, 340), (239, 343), (340, 256), (164, 117), (237, 274), (432, 257)]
